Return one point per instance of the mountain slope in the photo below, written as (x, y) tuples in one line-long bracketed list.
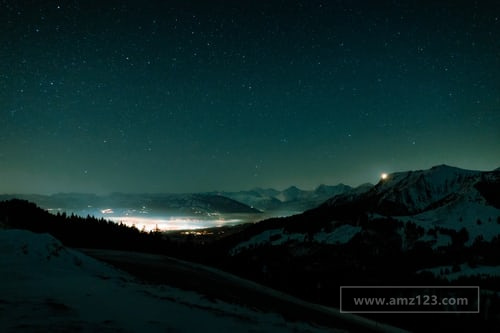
[(413, 228), (440, 197), (417, 191), (47, 287)]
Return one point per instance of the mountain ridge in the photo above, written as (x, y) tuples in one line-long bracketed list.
[(292, 199), (195, 203), (439, 197)]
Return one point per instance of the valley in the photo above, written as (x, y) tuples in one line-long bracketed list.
[(438, 227)]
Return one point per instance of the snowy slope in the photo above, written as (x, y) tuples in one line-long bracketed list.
[(476, 217), (47, 287), (451, 273), (442, 196), (417, 191), (340, 235)]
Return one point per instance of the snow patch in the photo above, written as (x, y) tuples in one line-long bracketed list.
[(419, 189), (438, 240), (272, 237), (453, 273), (340, 235), (475, 217)]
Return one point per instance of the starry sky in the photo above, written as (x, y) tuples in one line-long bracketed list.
[(190, 96)]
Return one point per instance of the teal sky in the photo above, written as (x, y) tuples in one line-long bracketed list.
[(184, 96)]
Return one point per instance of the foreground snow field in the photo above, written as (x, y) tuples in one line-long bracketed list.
[(47, 287)]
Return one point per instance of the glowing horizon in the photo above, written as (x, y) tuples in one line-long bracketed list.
[(173, 223)]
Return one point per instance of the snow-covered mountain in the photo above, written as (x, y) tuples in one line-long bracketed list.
[(441, 197), (411, 192), (45, 286), (291, 199), (424, 227)]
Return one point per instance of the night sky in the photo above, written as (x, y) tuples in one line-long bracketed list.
[(188, 96)]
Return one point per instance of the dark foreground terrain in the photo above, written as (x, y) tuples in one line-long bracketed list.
[(216, 284), (294, 256)]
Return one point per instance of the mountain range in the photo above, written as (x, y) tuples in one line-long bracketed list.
[(439, 226), (292, 199), (441, 197), (285, 202), (134, 204), (435, 227)]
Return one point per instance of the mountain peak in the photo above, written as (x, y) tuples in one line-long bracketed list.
[(292, 188), (446, 167), (441, 172), (443, 166), (417, 190)]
